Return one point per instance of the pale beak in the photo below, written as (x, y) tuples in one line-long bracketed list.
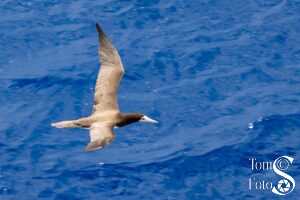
[(148, 120)]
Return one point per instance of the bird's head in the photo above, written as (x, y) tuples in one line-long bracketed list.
[(134, 117)]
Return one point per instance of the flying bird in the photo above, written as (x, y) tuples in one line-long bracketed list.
[(106, 114)]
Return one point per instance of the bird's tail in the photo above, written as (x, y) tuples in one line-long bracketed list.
[(65, 124), (79, 123)]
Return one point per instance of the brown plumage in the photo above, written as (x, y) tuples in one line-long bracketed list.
[(106, 114)]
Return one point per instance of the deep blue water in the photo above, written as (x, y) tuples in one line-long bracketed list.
[(222, 77)]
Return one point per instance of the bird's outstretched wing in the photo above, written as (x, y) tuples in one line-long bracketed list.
[(109, 76), (101, 134)]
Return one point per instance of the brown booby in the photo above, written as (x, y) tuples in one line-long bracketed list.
[(106, 114)]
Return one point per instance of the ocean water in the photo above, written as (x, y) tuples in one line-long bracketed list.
[(222, 77)]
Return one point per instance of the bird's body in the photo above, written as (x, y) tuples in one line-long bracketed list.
[(106, 114)]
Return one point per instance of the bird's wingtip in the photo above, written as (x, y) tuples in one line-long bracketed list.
[(98, 28), (93, 146)]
